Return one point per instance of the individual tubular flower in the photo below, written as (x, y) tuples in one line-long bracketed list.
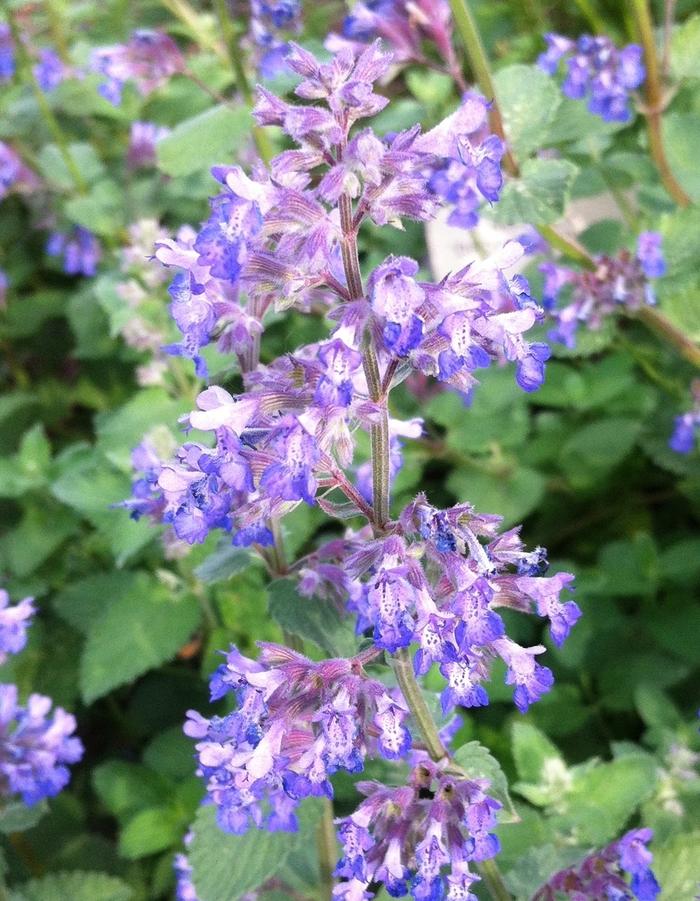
[(620, 282), (184, 889), (295, 724), (80, 250), (684, 432), (419, 838), (621, 871), (7, 53), (149, 60), (597, 69), (14, 622), (50, 71), (35, 746)]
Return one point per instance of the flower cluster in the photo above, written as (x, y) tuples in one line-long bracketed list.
[(402, 24), (50, 71), (597, 69), (34, 746), (602, 875), (296, 723), (7, 53), (149, 60), (142, 143), (419, 838), (622, 281), (270, 24), (436, 585), (184, 889), (80, 250), (686, 425)]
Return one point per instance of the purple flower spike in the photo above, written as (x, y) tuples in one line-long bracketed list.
[(80, 249), (50, 70), (292, 479), (7, 53)]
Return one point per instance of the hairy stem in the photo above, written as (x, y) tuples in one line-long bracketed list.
[(571, 249), (493, 880), (658, 323), (46, 111), (654, 96), (482, 72), (327, 849), (402, 666)]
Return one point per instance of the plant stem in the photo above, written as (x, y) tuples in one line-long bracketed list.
[(658, 323), (46, 111), (654, 94), (571, 249), (589, 12), (669, 14), (411, 690), (55, 17), (327, 849), (482, 72), (235, 58), (493, 880)]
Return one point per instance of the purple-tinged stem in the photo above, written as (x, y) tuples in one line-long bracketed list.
[(669, 14), (654, 100)]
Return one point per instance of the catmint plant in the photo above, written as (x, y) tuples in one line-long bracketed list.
[(428, 579)]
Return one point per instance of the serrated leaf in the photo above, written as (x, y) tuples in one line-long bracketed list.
[(206, 139), (677, 867), (539, 196), (478, 763), (226, 561), (76, 886), (227, 866), (681, 134), (314, 619), (17, 817), (101, 210), (528, 99), (150, 831), (533, 752), (137, 632)]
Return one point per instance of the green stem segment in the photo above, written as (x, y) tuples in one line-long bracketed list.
[(411, 690), (482, 72), (235, 57), (658, 323), (328, 849), (571, 249), (654, 95), (46, 111)]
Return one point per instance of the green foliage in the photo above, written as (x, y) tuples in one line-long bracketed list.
[(539, 195), (200, 142), (314, 619)]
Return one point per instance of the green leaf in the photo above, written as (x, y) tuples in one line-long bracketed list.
[(681, 134), (313, 618), (685, 49), (76, 886), (604, 798), (149, 832), (539, 196), (512, 495), (677, 867), (226, 561), (40, 533), (227, 866), (594, 450), (17, 817), (683, 309), (206, 139), (681, 237), (83, 603), (53, 167), (533, 752), (528, 99), (478, 763), (537, 866), (128, 788), (170, 753), (101, 210), (137, 632)]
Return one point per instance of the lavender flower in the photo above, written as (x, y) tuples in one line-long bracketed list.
[(142, 143), (14, 622), (601, 875), (271, 24), (402, 24), (7, 53), (597, 69), (14, 175), (419, 838), (617, 282), (683, 437), (295, 724), (80, 250), (50, 71), (184, 889), (34, 747), (149, 60)]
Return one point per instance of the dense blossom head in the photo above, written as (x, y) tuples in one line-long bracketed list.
[(14, 622), (620, 872), (80, 250), (419, 838), (617, 282), (35, 746), (295, 724), (149, 60), (598, 70)]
